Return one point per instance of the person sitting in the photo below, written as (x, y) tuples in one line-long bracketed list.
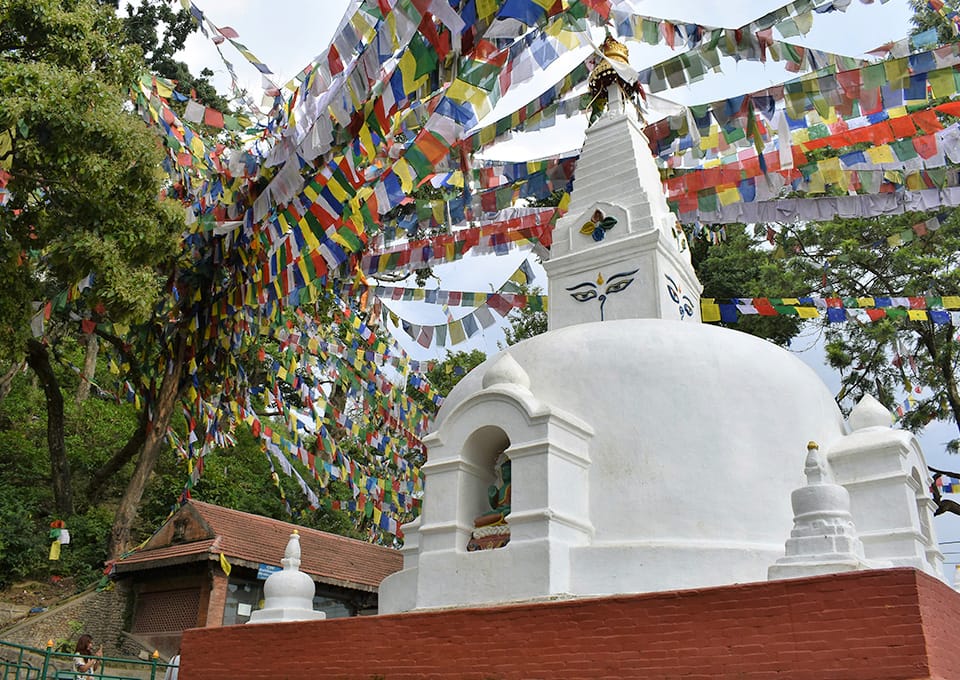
[(85, 661)]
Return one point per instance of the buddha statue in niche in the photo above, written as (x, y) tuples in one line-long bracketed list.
[(491, 529)]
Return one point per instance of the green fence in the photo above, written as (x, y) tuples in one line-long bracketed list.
[(18, 662)]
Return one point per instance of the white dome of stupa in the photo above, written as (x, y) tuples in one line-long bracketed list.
[(699, 436)]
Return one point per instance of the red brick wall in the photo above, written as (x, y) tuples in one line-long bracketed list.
[(876, 625), (941, 621), (216, 598)]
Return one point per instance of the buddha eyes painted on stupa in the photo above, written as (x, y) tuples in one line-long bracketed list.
[(588, 290), (684, 303)]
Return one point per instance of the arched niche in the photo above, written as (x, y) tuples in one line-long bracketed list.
[(488, 498), (548, 452)]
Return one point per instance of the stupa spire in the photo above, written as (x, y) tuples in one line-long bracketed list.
[(619, 252)]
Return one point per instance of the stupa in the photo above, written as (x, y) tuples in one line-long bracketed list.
[(646, 451), (288, 593)]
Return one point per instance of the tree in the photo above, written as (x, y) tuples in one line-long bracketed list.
[(444, 376), (925, 17), (160, 32), (914, 255), (742, 266), (84, 179), (528, 321)]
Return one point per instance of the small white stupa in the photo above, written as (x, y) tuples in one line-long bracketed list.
[(824, 538), (631, 448), (288, 593)]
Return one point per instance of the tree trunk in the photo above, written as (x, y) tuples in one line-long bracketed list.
[(6, 380), (39, 360), (162, 409), (119, 459), (89, 368)]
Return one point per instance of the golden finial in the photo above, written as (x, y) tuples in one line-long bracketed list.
[(605, 74), (296, 531), (812, 445), (615, 50), (599, 279)]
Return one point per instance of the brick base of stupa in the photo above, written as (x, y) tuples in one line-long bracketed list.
[(870, 625)]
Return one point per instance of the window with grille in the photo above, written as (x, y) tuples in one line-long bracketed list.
[(166, 610)]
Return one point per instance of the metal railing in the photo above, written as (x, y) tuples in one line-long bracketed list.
[(19, 662)]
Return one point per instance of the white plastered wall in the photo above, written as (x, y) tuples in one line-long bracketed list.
[(549, 514), (886, 475)]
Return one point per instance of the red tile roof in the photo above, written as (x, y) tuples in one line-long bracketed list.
[(253, 540)]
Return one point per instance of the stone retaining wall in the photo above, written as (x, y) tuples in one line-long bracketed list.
[(101, 614)]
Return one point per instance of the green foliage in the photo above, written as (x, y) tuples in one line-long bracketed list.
[(883, 256), (550, 201), (26, 501), (742, 266), (446, 374), (924, 18), (525, 322), (85, 173), (83, 559)]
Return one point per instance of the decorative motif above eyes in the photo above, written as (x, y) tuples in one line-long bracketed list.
[(684, 303), (598, 225)]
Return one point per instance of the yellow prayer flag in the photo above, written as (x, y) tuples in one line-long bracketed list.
[(865, 302), (163, 89), (457, 334), (943, 82), (55, 549), (951, 301), (789, 301), (710, 141), (917, 314), (728, 195), (486, 8), (915, 182), (404, 173), (338, 191), (897, 70), (709, 310), (832, 172), (224, 564), (807, 312), (816, 184), (880, 154)]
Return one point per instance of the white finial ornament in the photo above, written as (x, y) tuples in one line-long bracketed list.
[(869, 413), (506, 371)]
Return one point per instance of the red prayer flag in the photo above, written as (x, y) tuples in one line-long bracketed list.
[(903, 127)]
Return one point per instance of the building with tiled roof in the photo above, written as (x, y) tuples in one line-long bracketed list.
[(207, 564)]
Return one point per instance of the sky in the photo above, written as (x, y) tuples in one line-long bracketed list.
[(289, 34)]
